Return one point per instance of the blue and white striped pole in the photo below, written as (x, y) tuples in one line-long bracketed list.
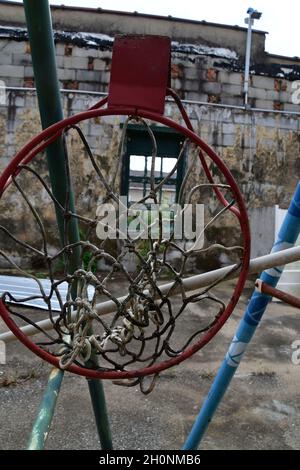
[(286, 238)]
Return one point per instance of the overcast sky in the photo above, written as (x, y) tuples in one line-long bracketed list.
[(280, 19)]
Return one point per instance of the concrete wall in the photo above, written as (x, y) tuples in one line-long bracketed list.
[(262, 148), (195, 74), (262, 225), (111, 22)]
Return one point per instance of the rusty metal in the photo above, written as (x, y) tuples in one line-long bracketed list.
[(266, 289), (140, 75), (144, 279), (140, 72)]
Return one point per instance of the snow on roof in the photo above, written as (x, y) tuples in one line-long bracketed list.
[(200, 49), (223, 57), (81, 39), (276, 70), (85, 39)]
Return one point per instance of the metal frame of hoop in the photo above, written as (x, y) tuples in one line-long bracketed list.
[(40, 142)]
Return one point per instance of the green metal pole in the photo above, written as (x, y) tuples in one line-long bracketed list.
[(39, 25), (38, 19), (40, 430), (100, 412)]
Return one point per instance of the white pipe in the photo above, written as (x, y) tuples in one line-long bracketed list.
[(257, 265), (247, 59)]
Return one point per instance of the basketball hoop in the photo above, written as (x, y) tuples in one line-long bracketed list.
[(142, 336)]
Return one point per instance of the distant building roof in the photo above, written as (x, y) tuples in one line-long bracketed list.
[(142, 15)]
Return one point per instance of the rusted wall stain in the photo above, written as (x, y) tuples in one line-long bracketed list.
[(262, 151)]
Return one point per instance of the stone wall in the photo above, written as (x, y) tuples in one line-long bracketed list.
[(199, 72), (260, 145)]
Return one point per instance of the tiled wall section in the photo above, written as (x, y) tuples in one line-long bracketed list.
[(194, 77), (262, 149)]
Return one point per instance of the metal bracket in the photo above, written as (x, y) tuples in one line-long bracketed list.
[(266, 289), (140, 72)]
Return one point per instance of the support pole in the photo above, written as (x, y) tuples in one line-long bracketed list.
[(247, 60), (287, 237), (39, 25), (40, 430), (100, 412), (253, 15)]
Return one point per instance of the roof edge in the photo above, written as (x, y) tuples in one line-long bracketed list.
[(143, 15)]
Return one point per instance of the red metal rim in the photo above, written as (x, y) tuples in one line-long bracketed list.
[(35, 145)]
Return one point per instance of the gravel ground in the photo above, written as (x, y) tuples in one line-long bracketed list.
[(261, 409)]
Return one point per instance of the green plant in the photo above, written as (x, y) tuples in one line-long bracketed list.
[(59, 266), (88, 263)]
